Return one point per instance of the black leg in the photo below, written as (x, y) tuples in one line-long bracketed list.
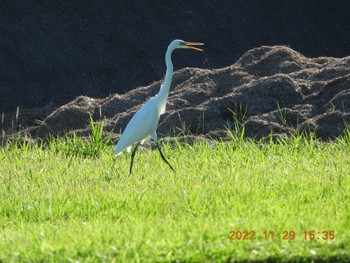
[(165, 160), (133, 155)]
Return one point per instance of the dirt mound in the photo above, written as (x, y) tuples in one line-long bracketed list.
[(269, 89), (54, 51)]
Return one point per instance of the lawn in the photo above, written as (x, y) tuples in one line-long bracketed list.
[(239, 200)]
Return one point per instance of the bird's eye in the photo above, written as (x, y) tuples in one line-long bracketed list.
[(183, 43)]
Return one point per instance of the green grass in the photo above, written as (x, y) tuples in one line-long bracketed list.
[(72, 200)]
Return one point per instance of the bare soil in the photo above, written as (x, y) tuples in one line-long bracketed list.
[(53, 51)]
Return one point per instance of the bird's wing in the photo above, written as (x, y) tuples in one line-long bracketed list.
[(140, 127)]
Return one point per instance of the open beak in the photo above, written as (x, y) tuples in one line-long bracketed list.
[(190, 44)]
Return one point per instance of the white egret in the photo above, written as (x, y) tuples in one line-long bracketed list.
[(143, 124)]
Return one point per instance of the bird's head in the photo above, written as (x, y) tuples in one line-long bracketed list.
[(178, 43)]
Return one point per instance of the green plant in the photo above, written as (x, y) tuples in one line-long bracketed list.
[(58, 207), (73, 145), (281, 114), (237, 133)]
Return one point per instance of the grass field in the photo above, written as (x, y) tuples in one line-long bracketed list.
[(73, 201)]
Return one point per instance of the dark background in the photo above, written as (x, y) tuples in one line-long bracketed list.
[(52, 51)]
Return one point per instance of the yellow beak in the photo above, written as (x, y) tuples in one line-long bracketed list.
[(190, 44)]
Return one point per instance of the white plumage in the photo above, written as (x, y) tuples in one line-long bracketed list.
[(143, 124)]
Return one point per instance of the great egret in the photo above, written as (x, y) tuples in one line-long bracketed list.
[(143, 124)]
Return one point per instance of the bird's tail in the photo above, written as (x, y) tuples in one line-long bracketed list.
[(119, 150)]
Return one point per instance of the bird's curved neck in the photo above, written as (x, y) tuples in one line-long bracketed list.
[(164, 90)]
